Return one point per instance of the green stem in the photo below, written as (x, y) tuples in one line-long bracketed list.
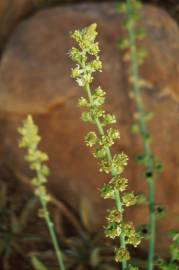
[(109, 156), (143, 132), (52, 233)]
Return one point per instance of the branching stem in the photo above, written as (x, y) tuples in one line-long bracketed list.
[(143, 131)]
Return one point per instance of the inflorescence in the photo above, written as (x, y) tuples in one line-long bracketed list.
[(135, 56), (30, 140), (101, 139)]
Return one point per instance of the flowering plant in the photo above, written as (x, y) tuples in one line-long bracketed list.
[(30, 140), (135, 55), (101, 139)]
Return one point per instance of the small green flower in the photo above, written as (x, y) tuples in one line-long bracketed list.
[(108, 119), (112, 230), (132, 267), (131, 236), (129, 199), (114, 216), (107, 191), (121, 255), (99, 153), (141, 199), (91, 139), (107, 140), (134, 128), (119, 183), (86, 117), (82, 102), (98, 97), (119, 162)]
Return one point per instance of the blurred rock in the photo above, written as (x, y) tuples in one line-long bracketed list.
[(11, 12), (35, 78)]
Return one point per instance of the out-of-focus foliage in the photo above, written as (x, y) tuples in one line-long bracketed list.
[(13, 222)]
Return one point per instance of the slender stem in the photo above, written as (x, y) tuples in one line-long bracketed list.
[(109, 156), (143, 132), (53, 236)]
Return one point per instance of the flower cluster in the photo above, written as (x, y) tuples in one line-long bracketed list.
[(102, 139), (36, 158)]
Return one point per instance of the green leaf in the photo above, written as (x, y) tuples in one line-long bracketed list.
[(26, 212), (95, 258), (86, 214), (37, 264)]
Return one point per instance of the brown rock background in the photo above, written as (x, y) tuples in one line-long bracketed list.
[(34, 78), (13, 11)]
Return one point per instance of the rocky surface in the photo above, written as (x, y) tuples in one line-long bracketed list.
[(11, 12), (34, 78)]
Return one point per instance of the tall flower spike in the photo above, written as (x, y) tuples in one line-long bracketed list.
[(135, 56), (30, 140), (87, 59)]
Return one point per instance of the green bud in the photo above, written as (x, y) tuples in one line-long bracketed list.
[(75, 55), (119, 183), (140, 159), (82, 102), (107, 191), (121, 255), (99, 153), (114, 216), (149, 175), (105, 166), (144, 231), (108, 139), (119, 161), (134, 128), (131, 236), (159, 211), (91, 139), (129, 199), (109, 119), (123, 44), (86, 117), (130, 23), (158, 166), (141, 199), (42, 213), (96, 65), (132, 267), (98, 97), (121, 7), (112, 230)]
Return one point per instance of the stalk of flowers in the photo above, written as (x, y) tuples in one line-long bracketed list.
[(101, 139), (135, 55), (36, 158)]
